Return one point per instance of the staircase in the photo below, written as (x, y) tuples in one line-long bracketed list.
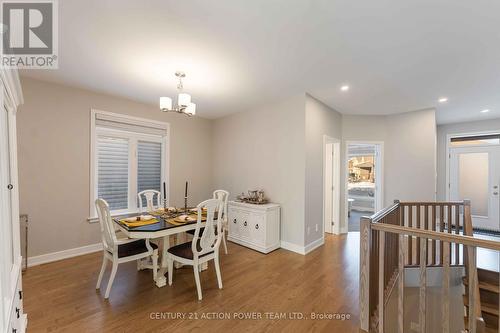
[(488, 282)]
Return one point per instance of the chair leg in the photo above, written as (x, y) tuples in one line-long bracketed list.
[(197, 280), (155, 264), (224, 242), (170, 270), (139, 264), (111, 278), (217, 271), (101, 273)]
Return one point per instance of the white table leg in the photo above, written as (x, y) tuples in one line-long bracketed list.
[(161, 281)]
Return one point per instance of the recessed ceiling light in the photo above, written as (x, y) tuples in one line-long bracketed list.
[(485, 111), (344, 88), (443, 100)]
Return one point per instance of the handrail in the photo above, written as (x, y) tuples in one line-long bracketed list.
[(424, 234), (443, 236)]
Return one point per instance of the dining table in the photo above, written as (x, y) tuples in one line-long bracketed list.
[(163, 229)]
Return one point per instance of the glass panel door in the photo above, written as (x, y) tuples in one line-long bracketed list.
[(475, 175)]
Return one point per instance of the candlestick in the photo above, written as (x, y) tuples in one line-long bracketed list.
[(186, 198)]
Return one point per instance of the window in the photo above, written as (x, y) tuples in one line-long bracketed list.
[(475, 140), (129, 156)]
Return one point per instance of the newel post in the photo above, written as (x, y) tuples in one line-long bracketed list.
[(364, 273)]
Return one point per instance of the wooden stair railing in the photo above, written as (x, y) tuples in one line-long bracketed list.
[(404, 235)]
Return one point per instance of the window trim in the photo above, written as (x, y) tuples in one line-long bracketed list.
[(95, 130)]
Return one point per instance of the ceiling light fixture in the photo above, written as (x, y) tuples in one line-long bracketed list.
[(443, 100), (184, 104), (344, 88), (485, 111)]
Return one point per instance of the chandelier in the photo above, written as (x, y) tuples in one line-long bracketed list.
[(184, 104)]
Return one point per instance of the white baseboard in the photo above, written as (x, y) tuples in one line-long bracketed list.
[(314, 245), (293, 247), (302, 249), (65, 254)]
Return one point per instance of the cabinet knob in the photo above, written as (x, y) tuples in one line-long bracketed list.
[(14, 330), (234, 221), (256, 226), (245, 224), (17, 312), (20, 294), (10, 187)]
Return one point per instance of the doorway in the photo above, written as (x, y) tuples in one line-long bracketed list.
[(363, 180), (331, 185), (474, 174)]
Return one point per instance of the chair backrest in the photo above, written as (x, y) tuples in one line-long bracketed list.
[(224, 196), (208, 239), (107, 227), (149, 195)]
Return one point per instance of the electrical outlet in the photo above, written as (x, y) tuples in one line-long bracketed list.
[(317, 228), (308, 230)]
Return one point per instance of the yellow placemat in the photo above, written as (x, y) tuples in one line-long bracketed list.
[(138, 223)]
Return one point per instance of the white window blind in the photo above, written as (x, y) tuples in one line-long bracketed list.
[(148, 166), (129, 156), (112, 171)]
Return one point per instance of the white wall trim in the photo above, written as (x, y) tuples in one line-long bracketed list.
[(293, 247), (65, 254), (314, 245), (303, 249), (336, 145)]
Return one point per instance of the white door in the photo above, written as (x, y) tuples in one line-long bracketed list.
[(329, 189), (475, 175)]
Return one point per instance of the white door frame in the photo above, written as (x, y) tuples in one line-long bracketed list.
[(447, 152), (379, 180), (335, 197)]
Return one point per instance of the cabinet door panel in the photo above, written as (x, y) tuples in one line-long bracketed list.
[(234, 221), (258, 229), (244, 225)]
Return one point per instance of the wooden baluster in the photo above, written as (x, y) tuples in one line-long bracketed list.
[(457, 231), (410, 238), (423, 282), (418, 238), (450, 225), (441, 228), (434, 254), (426, 227), (471, 254), (446, 291), (364, 279), (381, 284), (401, 283)]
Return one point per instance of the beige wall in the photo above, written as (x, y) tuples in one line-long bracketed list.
[(443, 131), (320, 120), (409, 151), (53, 142), (264, 148), (277, 147)]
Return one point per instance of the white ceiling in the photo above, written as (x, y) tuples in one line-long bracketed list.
[(397, 56)]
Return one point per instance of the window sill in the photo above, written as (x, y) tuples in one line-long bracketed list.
[(95, 219)]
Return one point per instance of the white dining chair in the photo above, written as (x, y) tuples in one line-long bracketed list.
[(149, 195), (224, 196), (120, 250), (203, 247)]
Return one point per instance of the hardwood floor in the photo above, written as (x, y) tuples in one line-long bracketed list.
[(61, 296)]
